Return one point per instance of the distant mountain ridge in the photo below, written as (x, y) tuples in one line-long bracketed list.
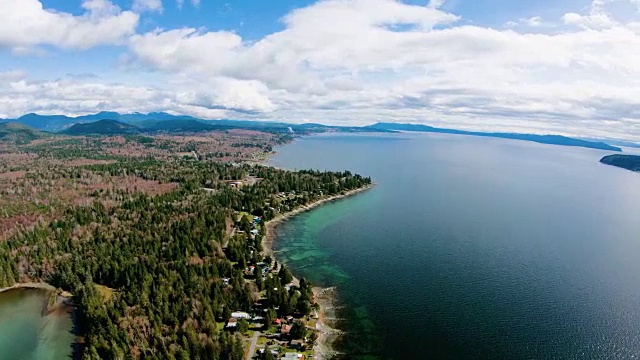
[(165, 122), (542, 139)]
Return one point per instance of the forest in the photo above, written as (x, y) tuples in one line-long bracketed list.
[(146, 268), (629, 162)]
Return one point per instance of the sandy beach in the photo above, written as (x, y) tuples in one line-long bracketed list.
[(323, 297)]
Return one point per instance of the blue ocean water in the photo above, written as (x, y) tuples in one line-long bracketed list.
[(473, 248)]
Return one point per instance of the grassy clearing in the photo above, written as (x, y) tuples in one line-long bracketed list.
[(106, 292)]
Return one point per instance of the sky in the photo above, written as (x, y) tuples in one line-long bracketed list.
[(569, 67)]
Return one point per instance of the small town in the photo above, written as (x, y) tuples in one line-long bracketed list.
[(286, 331)]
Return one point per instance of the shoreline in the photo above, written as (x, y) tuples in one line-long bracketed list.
[(324, 297), (269, 237), (39, 286), (59, 300)]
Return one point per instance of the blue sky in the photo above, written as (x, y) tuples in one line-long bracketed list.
[(568, 67)]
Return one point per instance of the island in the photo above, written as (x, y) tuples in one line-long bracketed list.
[(629, 162), (159, 239), (541, 139)]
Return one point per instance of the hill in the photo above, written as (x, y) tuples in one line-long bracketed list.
[(629, 162), (133, 118), (102, 127), (19, 133), (183, 125), (542, 139)]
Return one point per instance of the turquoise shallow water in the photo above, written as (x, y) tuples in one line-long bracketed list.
[(27, 335), (473, 248)]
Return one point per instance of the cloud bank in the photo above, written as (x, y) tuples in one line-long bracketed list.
[(356, 62)]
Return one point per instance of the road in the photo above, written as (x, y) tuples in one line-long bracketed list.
[(254, 342)]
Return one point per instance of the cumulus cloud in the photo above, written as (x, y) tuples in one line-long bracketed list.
[(25, 24), (77, 95)]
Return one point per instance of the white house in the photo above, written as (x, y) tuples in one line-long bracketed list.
[(240, 315)]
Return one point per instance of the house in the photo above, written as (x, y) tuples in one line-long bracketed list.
[(293, 356), (240, 315), (232, 324), (298, 345), (285, 329)]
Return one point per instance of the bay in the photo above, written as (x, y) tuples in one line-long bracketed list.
[(28, 334), (472, 248)]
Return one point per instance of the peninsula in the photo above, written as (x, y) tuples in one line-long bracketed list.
[(629, 162)]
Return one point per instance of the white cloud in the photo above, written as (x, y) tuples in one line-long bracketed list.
[(25, 24), (435, 4), (591, 21), (534, 21), (531, 22), (12, 75), (76, 95), (147, 5)]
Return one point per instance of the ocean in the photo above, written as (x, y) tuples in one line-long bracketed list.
[(472, 248)]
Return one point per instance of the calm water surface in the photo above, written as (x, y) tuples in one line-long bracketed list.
[(27, 335), (473, 248)]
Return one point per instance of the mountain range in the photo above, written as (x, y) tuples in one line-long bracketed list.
[(161, 121), (542, 139), (112, 123)]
